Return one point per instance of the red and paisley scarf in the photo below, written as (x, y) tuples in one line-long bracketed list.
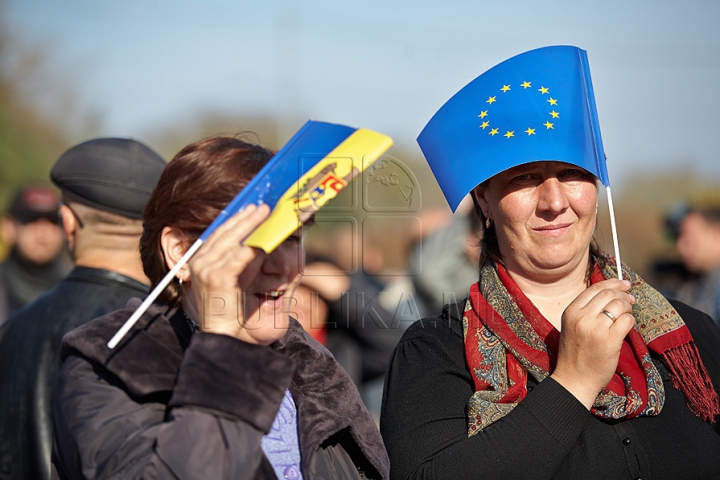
[(506, 337)]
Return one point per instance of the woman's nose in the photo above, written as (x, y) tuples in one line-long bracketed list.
[(279, 262), (552, 196)]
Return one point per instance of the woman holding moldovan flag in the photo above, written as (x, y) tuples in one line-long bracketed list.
[(194, 391), (553, 367)]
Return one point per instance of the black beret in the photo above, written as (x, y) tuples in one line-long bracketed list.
[(115, 175)]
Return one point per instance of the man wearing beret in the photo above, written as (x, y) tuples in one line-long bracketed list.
[(37, 260), (105, 184)]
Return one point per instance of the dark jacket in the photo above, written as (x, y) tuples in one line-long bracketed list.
[(550, 434), (30, 359), (167, 403), (21, 281)]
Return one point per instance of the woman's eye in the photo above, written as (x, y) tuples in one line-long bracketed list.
[(294, 238), (572, 173), (523, 178)]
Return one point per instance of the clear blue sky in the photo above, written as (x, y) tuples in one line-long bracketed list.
[(386, 65)]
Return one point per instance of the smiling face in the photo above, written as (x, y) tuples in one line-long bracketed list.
[(268, 284), (544, 215)]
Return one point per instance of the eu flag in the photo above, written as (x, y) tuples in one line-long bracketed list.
[(536, 106)]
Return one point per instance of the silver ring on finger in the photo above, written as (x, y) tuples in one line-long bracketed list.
[(609, 315)]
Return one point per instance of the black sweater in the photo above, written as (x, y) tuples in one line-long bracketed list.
[(549, 434)]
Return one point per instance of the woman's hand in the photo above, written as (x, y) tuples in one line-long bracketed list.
[(590, 340), (215, 297)]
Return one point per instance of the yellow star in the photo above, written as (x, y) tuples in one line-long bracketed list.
[(483, 114), (509, 134), (491, 100), (554, 114), (505, 88), (543, 90), (548, 125), (530, 131), (485, 124), (552, 101), (525, 84), (494, 132)]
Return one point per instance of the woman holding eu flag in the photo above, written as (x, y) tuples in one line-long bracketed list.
[(214, 380), (557, 365)]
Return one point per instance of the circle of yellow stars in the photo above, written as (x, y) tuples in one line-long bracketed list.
[(552, 102)]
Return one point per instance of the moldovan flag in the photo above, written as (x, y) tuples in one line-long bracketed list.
[(310, 170)]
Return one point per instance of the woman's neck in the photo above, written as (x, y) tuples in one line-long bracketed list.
[(551, 297)]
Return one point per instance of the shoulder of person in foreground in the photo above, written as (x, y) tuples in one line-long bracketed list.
[(158, 393), (139, 409)]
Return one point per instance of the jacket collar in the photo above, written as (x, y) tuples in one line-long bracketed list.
[(147, 359), (327, 399), (103, 276)]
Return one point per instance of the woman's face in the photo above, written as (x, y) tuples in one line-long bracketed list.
[(544, 215), (264, 291), (268, 284)]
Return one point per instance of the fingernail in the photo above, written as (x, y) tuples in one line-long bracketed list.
[(626, 282), (632, 298)]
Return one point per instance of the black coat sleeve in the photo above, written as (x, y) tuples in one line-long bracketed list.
[(226, 396), (424, 423)]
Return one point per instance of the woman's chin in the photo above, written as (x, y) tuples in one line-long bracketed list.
[(562, 265), (266, 324), (548, 263)]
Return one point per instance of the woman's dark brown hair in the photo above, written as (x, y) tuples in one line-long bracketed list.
[(193, 188)]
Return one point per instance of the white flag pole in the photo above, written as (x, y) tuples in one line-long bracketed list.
[(153, 295), (614, 232)]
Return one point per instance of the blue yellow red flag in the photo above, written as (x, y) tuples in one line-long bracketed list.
[(536, 106), (310, 170)]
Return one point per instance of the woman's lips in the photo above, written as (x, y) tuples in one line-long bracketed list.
[(554, 230), (271, 296)]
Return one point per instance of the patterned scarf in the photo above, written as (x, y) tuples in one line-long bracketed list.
[(506, 337)]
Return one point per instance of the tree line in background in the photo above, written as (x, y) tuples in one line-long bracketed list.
[(30, 140), (33, 135)]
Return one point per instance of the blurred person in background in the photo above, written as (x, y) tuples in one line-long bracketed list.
[(345, 312), (37, 260), (698, 242), (445, 261), (105, 184)]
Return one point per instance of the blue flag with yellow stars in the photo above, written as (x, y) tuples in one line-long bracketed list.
[(536, 106)]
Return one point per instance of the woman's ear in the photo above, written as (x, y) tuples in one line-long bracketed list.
[(174, 244), (478, 194)]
